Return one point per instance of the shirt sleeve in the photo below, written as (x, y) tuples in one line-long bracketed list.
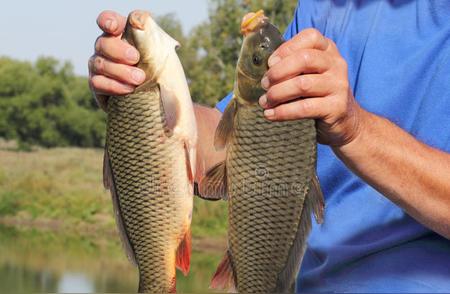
[(302, 19)]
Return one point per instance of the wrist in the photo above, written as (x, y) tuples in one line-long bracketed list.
[(360, 125)]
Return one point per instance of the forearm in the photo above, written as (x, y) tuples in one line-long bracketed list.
[(411, 174), (207, 156)]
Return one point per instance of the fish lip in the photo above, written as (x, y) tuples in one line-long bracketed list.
[(138, 19), (252, 22)]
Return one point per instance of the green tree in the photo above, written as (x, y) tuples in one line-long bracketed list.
[(46, 104)]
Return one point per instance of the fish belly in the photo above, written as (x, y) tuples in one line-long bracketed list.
[(270, 167), (151, 182)]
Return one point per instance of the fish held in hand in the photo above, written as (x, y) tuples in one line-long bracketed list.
[(269, 178), (150, 159)]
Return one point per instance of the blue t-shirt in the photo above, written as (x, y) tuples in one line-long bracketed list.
[(398, 53)]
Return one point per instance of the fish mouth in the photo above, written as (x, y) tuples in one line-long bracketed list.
[(252, 21), (138, 19)]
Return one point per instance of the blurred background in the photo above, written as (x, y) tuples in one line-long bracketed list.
[(57, 232)]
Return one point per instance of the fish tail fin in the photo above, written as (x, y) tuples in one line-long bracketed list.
[(225, 278), (183, 256)]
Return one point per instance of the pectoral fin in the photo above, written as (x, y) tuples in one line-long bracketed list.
[(190, 161), (214, 185), (226, 125), (171, 108)]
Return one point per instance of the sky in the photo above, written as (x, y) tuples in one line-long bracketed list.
[(67, 29)]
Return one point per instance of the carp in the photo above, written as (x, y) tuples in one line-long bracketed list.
[(268, 177), (149, 163)]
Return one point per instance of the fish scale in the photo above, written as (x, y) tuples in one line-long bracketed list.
[(262, 227), (144, 161)]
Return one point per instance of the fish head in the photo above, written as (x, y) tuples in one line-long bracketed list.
[(152, 42), (261, 39)]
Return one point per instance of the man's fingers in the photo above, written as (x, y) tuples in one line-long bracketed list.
[(300, 86), (124, 73), (304, 61), (306, 39), (103, 85), (111, 22), (116, 50), (314, 108)]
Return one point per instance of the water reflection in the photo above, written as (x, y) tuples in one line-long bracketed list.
[(75, 283), (33, 261)]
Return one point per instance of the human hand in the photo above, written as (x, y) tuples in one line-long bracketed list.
[(308, 78), (111, 68)]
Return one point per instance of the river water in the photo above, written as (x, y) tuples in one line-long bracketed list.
[(35, 261)]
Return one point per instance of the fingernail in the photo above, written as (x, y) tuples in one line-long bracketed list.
[(265, 83), (273, 60), (132, 55), (269, 113), (111, 25), (129, 89), (138, 76), (263, 100)]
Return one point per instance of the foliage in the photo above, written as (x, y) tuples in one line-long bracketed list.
[(46, 104)]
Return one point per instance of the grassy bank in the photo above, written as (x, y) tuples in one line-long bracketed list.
[(61, 189)]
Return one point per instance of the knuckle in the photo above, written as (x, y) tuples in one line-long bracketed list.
[(340, 107), (341, 63), (303, 84), (331, 44), (306, 106), (306, 57), (313, 34), (342, 85)]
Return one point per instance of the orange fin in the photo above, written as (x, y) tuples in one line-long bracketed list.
[(225, 279), (183, 259)]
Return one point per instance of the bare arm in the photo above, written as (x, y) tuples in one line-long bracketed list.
[(411, 174), (207, 156)]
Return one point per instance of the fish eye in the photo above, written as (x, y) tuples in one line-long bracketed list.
[(257, 60), (264, 45)]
